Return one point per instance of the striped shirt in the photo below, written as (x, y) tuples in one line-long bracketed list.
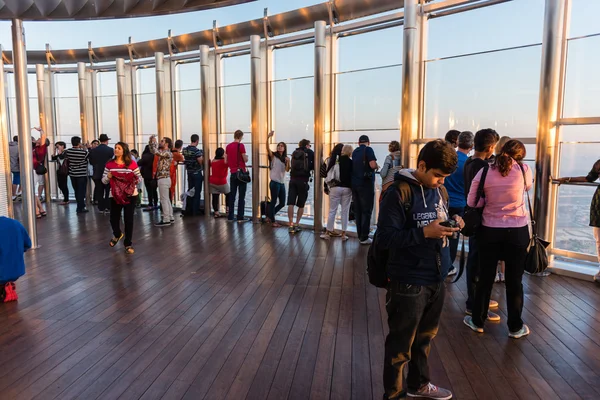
[(113, 167), (78, 162)]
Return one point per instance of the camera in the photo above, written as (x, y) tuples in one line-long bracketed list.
[(451, 223)]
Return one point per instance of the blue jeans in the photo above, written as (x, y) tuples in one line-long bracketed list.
[(277, 193), (195, 181), (236, 186), (80, 187)]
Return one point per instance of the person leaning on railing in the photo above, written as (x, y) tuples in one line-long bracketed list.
[(592, 176)]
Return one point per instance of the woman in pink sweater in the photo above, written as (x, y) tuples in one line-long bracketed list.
[(504, 234)]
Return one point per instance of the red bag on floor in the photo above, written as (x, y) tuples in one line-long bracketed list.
[(8, 292)]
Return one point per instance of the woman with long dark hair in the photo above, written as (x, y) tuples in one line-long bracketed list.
[(279, 164), (218, 180), (123, 175), (504, 234), (339, 180)]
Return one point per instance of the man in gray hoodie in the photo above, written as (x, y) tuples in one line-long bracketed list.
[(13, 150)]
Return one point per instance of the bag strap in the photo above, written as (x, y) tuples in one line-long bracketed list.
[(239, 157), (461, 263), (532, 221), (480, 187)]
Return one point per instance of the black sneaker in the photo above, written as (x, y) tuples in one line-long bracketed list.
[(241, 220), (85, 210), (162, 223)]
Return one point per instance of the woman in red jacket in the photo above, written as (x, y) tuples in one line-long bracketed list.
[(123, 175)]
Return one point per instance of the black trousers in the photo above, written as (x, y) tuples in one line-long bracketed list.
[(63, 185), (152, 189), (472, 270), (115, 218), (80, 187), (510, 245), (413, 318), (363, 198), (101, 194)]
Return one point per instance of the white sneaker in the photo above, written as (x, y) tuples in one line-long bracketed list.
[(452, 271), (324, 236), (344, 238), (367, 241), (524, 331)]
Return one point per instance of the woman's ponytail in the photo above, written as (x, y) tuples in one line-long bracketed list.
[(513, 150)]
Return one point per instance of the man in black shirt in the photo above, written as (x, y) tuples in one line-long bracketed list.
[(98, 157), (485, 140)]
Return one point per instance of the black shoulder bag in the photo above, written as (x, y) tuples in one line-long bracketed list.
[(537, 258), (473, 215), (241, 175)]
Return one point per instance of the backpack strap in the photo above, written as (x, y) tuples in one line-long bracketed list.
[(405, 194)]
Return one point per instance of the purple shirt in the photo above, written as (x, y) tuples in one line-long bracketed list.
[(505, 203)]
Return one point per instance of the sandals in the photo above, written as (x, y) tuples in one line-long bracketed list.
[(38, 216), (44, 214), (115, 240), (129, 250)]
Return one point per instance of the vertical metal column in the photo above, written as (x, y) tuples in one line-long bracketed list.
[(25, 150), (319, 116), (410, 91), (121, 100), (43, 115), (160, 93), (92, 104), (552, 41), (205, 114), (83, 122), (255, 64), (4, 139)]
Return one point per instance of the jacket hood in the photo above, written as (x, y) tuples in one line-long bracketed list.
[(407, 176)]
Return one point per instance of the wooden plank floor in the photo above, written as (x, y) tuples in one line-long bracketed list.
[(211, 310)]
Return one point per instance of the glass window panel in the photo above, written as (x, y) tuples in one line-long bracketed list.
[(146, 80), (188, 76), (579, 133), (190, 116), (66, 85), (497, 90), (107, 83), (34, 117), (380, 141), (293, 112), (236, 70), (369, 99), (109, 117), (31, 85), (582, 88), (584, 17), (294, 62), (147, 108), (573, 232), (236, 108), (514, 23), (372, 49), (67, 119), (577, 159)]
